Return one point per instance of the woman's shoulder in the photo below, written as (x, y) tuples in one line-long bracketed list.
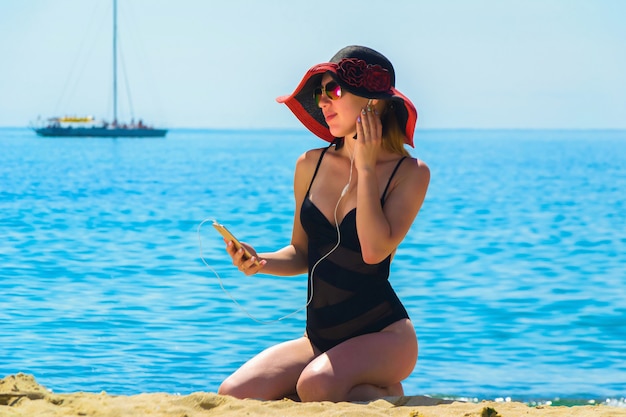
[(305, 167), (418, 164), (416, 170), (309, 158)]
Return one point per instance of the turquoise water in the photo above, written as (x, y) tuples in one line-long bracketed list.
[(514, 273)]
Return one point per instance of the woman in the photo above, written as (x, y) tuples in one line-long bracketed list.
[(355, 201)]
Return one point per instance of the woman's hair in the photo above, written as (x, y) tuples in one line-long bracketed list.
[(393, 134)]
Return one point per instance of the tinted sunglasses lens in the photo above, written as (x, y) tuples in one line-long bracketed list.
[(332, 90), (317, 93)]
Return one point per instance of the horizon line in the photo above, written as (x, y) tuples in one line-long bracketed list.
[(296, 129)]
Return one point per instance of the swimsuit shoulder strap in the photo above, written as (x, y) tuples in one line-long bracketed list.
[(382, 199), (319, 162)]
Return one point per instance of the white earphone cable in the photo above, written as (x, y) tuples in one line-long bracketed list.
[(310, 275)]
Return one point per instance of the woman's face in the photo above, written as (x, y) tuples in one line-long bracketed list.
[(341, 114)]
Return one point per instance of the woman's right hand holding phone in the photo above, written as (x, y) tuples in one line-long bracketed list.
[(249, 265)]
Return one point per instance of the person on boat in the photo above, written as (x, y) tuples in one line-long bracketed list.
[(355, 200)]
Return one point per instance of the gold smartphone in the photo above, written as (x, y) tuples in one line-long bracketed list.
[(229, 236)]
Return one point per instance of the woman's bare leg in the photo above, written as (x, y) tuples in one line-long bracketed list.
[(367, 392), (272, 374), (363, 368)]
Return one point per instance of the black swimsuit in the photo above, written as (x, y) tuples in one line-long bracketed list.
[(350, 298)]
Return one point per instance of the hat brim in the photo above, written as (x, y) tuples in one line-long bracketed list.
[(302, 103)]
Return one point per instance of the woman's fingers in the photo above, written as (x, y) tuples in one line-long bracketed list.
[(249, 266), (369, 127)]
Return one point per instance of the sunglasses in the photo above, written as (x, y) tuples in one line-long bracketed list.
[(331, 89)]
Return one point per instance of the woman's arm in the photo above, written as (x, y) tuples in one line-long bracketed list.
[(292, 259), (381, 229)]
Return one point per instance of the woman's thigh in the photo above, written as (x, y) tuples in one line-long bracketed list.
[(382, 359), (273, 373)]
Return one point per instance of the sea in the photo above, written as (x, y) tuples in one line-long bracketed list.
[(112, 278)]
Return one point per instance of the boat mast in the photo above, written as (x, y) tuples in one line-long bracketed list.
[(115, 62)]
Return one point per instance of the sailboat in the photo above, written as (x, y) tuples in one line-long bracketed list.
[(89, 126)]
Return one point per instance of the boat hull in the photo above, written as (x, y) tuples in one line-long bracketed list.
[(100, 132)]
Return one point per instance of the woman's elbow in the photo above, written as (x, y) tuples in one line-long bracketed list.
[(373, 256)]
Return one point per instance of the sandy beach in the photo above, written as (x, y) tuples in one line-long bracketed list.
[(22, 396)]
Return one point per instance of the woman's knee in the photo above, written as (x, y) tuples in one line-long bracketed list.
[(238, 388), (318, 386), (229, 387)]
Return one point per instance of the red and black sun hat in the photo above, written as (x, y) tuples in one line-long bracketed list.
[(361, 71)]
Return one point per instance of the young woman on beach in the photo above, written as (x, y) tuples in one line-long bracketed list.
[(355, 201)]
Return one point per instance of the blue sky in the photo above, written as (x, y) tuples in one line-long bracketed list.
[(192, 63)]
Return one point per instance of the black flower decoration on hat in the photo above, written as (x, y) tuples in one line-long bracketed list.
[(358, 73)]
